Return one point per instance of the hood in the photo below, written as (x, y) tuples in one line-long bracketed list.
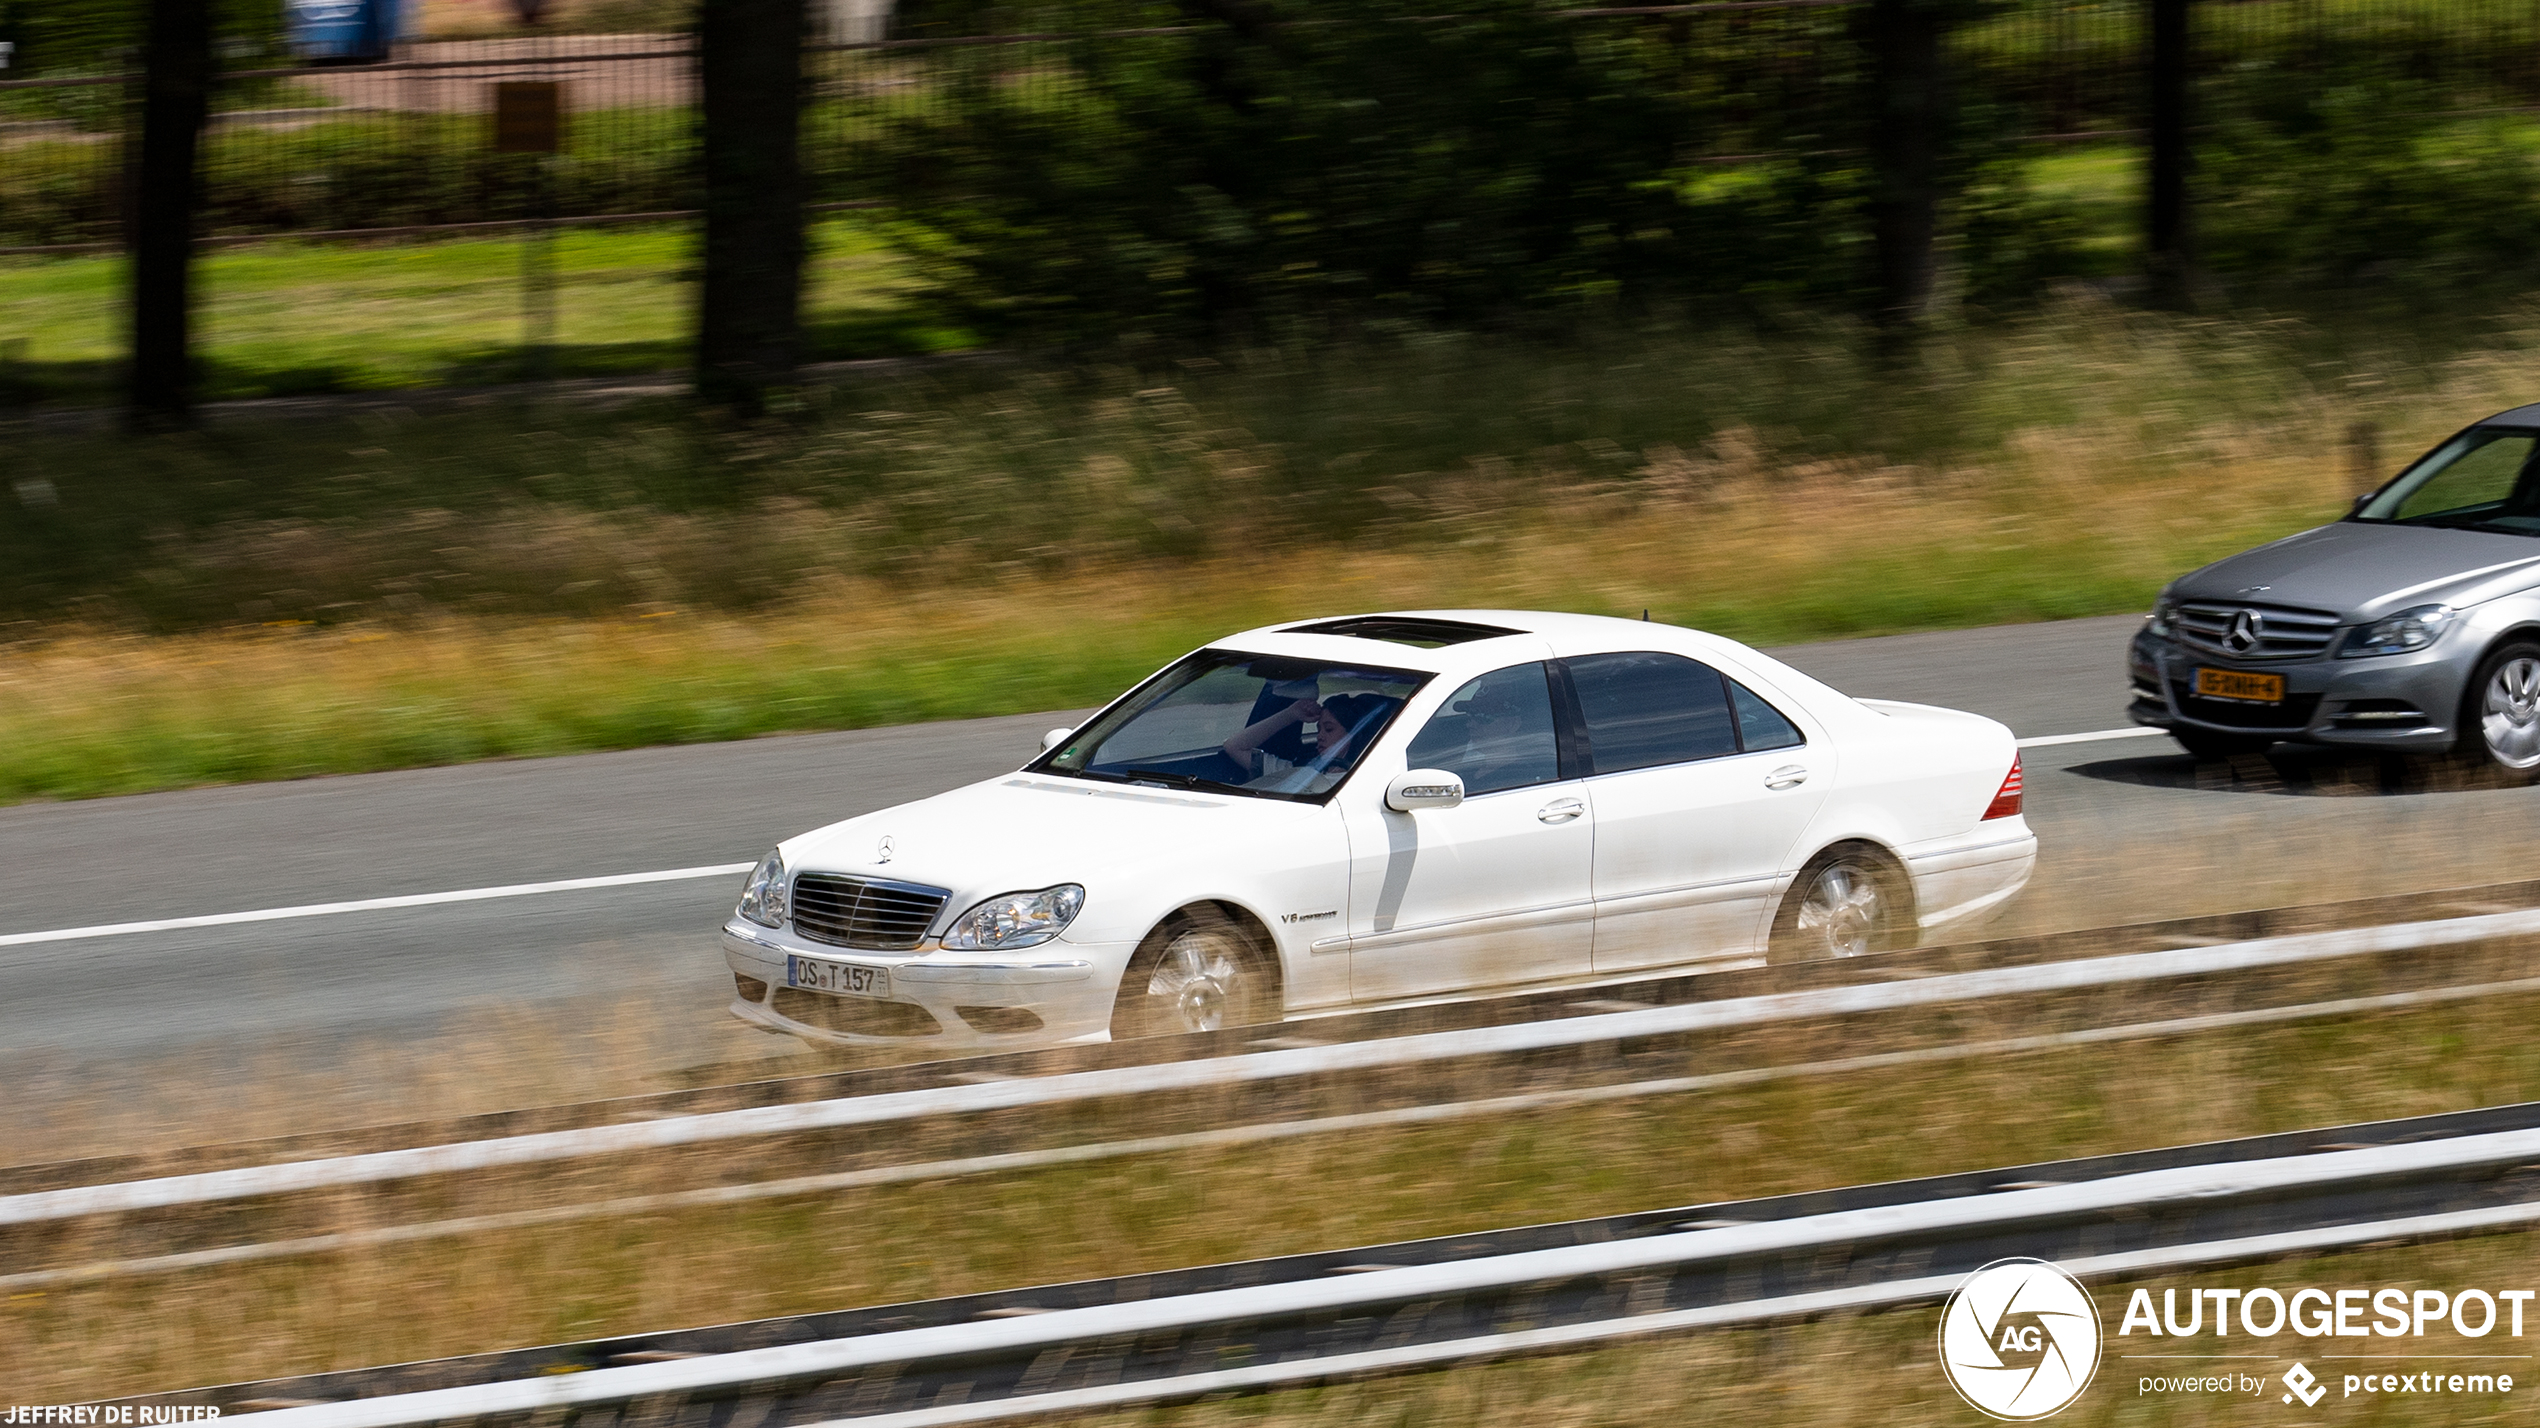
[(1022, 831), (2362, 570)]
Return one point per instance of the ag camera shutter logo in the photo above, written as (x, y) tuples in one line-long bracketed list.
[(2019, 1340)]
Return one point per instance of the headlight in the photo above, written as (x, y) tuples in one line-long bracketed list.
[(1021, 919), (2405, 631), (2164, 610), (763, 897)]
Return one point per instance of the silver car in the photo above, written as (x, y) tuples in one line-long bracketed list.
[(2411, 626)]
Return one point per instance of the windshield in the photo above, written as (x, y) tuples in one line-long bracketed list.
[(2483, 479), (1266, 725)]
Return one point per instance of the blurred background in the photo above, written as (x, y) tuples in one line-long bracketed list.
[(388, 385)]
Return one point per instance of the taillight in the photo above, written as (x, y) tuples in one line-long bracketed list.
[(2006, 801)]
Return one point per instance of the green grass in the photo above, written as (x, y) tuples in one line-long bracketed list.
[(289, 318)]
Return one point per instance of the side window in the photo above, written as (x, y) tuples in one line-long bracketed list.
[(2482, 475), (1760, 725), (1495, 732), (1644, 709)]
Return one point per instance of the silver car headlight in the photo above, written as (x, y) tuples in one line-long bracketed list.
[(2405, 631), (2164, 610), (1022, 919), (763, 896)]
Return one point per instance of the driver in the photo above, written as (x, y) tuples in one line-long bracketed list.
[(1327, 726)]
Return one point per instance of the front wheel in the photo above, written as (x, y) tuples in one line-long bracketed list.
[(1200, 971), (2500, 712), (1847, 901)]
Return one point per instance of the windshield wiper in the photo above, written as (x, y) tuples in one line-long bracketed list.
[(1189, 781)]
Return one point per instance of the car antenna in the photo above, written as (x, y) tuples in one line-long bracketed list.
[(1644, 614)]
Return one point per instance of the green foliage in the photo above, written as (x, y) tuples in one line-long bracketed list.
[(2310, 177), (1383, 170)]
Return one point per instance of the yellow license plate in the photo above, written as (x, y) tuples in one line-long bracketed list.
[(2247, 688)]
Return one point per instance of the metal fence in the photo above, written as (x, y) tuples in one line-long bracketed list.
[(404, 146)]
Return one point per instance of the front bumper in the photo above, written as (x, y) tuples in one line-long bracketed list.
[(1039, 996), (2406, 703)]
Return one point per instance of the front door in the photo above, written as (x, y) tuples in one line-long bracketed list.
[(1493, 891)]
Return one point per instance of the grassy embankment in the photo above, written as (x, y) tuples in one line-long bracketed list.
[(387, 590), (669, 1267), (290, 319)]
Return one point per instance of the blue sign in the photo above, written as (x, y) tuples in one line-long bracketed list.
[(343, 30)]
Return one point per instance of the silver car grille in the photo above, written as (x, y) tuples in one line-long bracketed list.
[(875, 914), (2237, 631)]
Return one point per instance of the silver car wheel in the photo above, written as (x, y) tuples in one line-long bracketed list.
[(1199, 976), (2510, 718), (1843, 911)]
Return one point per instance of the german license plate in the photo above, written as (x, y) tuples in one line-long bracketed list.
[(844, 979), (2246, 688)]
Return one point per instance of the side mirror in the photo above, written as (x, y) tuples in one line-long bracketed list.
[(2361, 501), (1424, 788), (1054, 738)]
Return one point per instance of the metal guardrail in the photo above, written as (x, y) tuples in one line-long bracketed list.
[(1256, 1068), (1431, 1303)]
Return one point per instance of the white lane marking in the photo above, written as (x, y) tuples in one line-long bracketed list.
[(617, 880), (2094, 736), (375, 904)]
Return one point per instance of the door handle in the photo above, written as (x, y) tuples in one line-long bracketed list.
[(1560, 812), (1787, 776)]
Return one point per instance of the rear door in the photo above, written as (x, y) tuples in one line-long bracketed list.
[(1703, 790), (1495, 890)]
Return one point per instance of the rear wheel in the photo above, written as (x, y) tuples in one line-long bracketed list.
[(2500, 712), (1849, 900), (2208, 748), (1199, 971)]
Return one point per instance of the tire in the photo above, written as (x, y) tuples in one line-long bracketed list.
[(1848, 901), (1199, 970), (2500, 713), (2209, 748)]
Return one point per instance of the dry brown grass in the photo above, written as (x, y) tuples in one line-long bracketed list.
[(1040, 543)]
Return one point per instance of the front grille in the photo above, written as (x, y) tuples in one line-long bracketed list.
[(2294, 713), (855, 1016), (2282, 631), (875, 914)]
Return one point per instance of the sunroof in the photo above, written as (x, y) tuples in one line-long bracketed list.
[(1404, 630)]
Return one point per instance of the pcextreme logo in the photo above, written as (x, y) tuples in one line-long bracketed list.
[(2019, 1340)]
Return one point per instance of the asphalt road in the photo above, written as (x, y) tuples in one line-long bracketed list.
[(2131, 830)]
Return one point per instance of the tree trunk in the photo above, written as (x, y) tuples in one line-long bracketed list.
[(750, 74), (1909, 114), (176, 93), (2167, 259)]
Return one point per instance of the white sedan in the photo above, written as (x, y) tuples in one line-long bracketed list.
[(1355, 811)]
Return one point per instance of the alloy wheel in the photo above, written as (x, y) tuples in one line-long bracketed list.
[(1198, 980), (2510, 716), (1843, 911)]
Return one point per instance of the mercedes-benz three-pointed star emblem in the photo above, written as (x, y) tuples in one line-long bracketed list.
[(2247, 629), (883, 850)]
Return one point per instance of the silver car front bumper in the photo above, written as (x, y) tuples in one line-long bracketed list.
[(2406, 703)]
